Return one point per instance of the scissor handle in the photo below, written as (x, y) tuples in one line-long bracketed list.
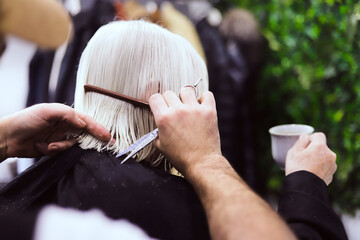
[(194, 86)]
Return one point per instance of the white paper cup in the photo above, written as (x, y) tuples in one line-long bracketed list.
[(283, 137)]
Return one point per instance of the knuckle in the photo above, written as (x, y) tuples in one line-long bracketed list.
[(335, 167), (208, 93), (320, 134), (329, 180), (209, 112), (320, 147), (198, 111), (187, 90), (181, 111), (162, 120), (154, 96), (168, 93), (333, 155), (42, 106)]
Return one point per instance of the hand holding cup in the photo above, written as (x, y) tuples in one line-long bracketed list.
[(283, 137), (310, 153)]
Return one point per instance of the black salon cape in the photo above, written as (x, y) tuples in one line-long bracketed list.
[(165, 206), (304, 204)]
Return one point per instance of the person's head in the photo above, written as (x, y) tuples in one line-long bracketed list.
[(137, 59)]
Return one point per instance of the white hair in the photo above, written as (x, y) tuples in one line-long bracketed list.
[(137, 59)]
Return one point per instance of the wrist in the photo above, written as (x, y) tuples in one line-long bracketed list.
[(204, 163), (214, 165)]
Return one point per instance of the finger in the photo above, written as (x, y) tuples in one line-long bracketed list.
[(187, 96), (333, 156), (328, 180), (42, 147), (208, 99), (318, 138), (334, 168), (172, 100), (303, 142), (330, 174), (56, 112), (157, 143), (56, 147), (58, 132), (157, 104), (94, 128)]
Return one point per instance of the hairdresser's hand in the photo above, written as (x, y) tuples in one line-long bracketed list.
[(310, 153), (189, 137), (188, 128), (41, 130)]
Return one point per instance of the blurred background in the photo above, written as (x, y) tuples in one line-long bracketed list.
[(270, 62), (310, 74)]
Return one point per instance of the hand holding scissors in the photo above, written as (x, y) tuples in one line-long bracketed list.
[(151, 136)]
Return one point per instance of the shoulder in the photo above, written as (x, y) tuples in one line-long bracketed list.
[(100, 178), (145, 196)]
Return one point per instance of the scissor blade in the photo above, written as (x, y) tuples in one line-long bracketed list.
[(130, 148), (146, 140), (133, 146)]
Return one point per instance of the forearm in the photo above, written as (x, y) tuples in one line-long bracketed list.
[(233, 209)]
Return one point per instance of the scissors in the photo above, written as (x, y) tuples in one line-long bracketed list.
[(151, 136)]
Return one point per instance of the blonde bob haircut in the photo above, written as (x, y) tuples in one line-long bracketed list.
[(137, 59)]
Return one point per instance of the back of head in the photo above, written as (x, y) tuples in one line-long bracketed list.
[(137, 59)]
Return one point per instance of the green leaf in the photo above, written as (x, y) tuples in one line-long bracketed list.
[(273, 43), (338, 115)]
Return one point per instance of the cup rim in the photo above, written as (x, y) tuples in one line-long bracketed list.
[(307, 130)]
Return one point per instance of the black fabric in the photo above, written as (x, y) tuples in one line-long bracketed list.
[(39, 75), (86, 23), (229, 81), (18, 226), (165, 206), (305, 206), (32, 184)]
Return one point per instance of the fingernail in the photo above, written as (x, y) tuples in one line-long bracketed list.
[(82, 123), (54, 148), (104, 137)]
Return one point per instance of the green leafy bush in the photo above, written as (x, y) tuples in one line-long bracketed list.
[(311, 76)]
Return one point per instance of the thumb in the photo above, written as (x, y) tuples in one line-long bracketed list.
[(302, 142), (157, 143)]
